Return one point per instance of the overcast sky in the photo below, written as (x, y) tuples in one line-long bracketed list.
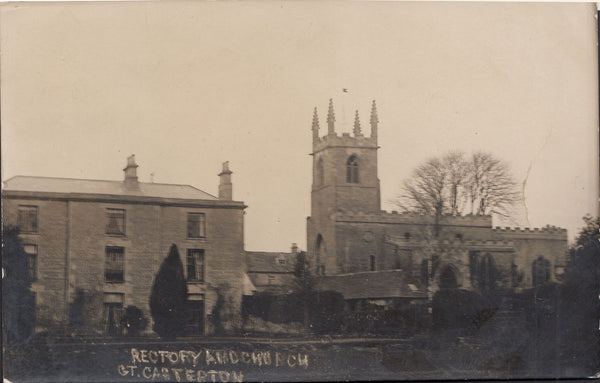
[(188, 85)]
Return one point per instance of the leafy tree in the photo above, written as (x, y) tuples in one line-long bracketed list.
[(18, 302), (580, 304), (456, 184), (168, 297)]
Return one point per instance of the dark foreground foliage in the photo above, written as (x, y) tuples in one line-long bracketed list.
[(18, 302), (168, 297)]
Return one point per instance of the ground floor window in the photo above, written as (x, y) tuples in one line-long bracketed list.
[(113, 311), (195, 314)]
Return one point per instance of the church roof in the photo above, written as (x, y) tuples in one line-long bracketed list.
[(84, 186), (373, 285)]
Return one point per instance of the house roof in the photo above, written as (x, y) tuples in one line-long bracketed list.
[(373, 285), (268, 262), (83, 186)]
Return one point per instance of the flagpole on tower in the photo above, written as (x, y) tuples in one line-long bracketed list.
[(344, 92)]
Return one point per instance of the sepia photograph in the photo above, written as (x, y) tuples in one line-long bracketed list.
[(265, 191)]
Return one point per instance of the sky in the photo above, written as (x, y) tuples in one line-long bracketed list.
[(186, 86)]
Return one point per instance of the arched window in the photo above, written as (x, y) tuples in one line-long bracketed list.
[(448, 278), (540, 271), (352, 170), (320, 174), (425, 273), (487, 273), (319, 252)]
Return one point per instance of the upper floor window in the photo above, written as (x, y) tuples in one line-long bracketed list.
[(28, 219), (352, 170), (32, 252), (196, 225), (281, 261), (115, 221), (195, 265), (114, 266)]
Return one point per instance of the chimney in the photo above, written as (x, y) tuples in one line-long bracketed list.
[(225, 186), (294, 248), (131, 179)]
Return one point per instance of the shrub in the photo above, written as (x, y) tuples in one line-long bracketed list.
[(134, 321)]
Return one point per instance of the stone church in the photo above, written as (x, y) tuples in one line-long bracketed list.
[(366, 253)]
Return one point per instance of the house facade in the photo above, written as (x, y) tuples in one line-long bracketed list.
[(352, 242), (100, 244)]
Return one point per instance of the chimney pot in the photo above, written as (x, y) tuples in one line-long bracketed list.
[(131, 179), (225, 185)]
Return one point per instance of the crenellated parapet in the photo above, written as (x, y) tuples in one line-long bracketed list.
[(345, 140), (503, 245), (412, 218), (546, 232), (332, 139)]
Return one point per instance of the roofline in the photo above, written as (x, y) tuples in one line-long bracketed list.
[(125, 199), (97, 180)]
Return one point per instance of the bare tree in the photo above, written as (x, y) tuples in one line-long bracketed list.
[(456, 184), (491, 187)]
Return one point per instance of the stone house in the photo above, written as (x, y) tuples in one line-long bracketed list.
[(102, 242), (272, 272)]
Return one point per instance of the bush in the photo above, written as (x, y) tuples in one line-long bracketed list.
[(327, 312), (461, 309), (134, 321)]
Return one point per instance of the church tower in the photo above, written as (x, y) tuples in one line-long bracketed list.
[(344, 179)]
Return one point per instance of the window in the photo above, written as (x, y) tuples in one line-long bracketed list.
[(194, 307), (320, 173), (113, 311), (270, 279), (407, 236), (425, 273), (196, 226), (487, 273), (281, 261), (28, 219), (31, 251), (372, 262), (115, 221), (195, 265), (540, 271), (352, 170), (114, 267)]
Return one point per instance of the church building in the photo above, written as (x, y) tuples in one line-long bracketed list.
[(366, 253)]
